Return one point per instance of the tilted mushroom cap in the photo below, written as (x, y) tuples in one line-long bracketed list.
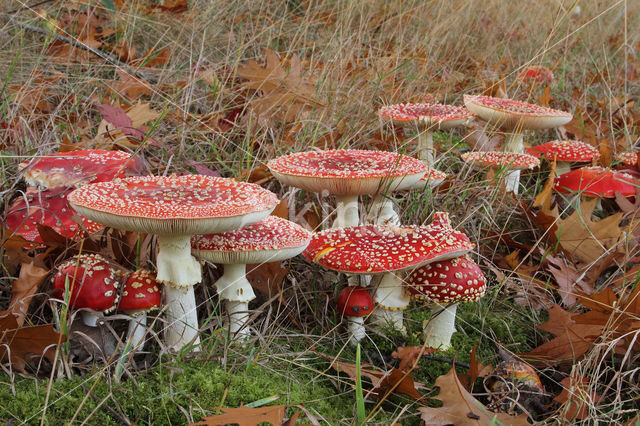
[(629, 158), (91, 280), (536, 73), (174, 205), (76, 168), (596, 182), (444, 116), (50, 208), (509, 160), (432, 178), (512, 114), (140, 293), (448, 281), (383, 248), (569, 151), (271, 240), (348, 171), (355, 301)]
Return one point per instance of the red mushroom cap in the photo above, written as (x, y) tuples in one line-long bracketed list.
[(174, 205), (596, 182), (510, 114), (629, 158), (50, 208), (270, 240), (347, 171), (448, 281), (140, 293), (509, 160), (76, 168), (537, 74), (570, 151), (445, 116), (355, 301), (383, 248), (92, 281)]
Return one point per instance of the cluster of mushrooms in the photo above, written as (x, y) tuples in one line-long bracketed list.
[(227, 222)]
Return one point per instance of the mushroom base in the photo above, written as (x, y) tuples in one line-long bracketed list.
[(357, 332), (381, 212), (512, 181), (238, 317), (426, 151), (176, 266), (137, 331), (234, 288), (441, 326), (182, 317), (391, 299)]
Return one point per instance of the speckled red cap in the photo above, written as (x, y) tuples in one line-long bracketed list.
[(447, 281), (629, 158), (140, 293), (354, 301), (596, 182), (509, 160), (76, 168), (91, 280), (444, 116), (569, 151), (49, 208), (432, 178), (511, 114), (348, 171), (537, 74), (174, 205), (383, 248), (271, 240)]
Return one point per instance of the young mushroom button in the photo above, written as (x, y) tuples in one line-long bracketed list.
[(141, 293), (175, 208), (355, 303)]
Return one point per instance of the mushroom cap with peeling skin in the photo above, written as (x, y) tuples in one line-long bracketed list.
[(76, 168), (508, 160), (371, 249), (448, 281), (91, 280), (348, 171), (596, 182), (140, 293), (629, 158), (568, 150), (174, 205), (271, 240), (511, 114), (355, 301), (428, 114)]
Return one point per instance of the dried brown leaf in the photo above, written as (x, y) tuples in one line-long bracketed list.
[(246, 416), (22, 289)]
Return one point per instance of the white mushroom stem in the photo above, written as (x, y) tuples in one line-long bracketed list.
[(513, 143), (90, 318), (512, 181), (382, 212), (441, 326), (391, 300), (425, 147), (346, 211), (234, 288), (563, 167), (182, 318), (357, 332), (137, 330), (175, 263)]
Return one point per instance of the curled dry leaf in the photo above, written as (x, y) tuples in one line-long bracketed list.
[(576, 398), (22, 289), (16, 343)]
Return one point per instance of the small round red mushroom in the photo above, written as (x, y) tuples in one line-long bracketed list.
[(565, 152), (141, 293), (87, 281), (355, 303)]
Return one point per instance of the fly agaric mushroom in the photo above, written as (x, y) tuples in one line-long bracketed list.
[(595, 182), (502, 160), (175, 208), (535, 74), (565, 153), (427, 118), (273, 239), (355, 303), (140, 294), (49, 208), (76, 168), (346, 174), (378, 249), (91, 283), (629, 158), (446, 283)]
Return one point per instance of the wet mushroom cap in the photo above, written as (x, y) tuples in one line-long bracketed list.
[(174, 205), (91, 280), (448, 281), (383, 248), (509, 160), (596, 182), (445, 116), (140, 293), (49, 208), (570, 151), (509, 113), (271, 240), (354, 301), (76, 168), (348, 171)]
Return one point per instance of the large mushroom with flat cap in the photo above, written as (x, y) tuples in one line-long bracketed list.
[(174, 208), (446, 283), (273, 239), (387, 250), (496, 160), (565, 153), (347, 174), (427, 118)]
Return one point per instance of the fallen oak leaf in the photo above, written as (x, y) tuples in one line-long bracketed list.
[(18, 342), (408, 356), (22, 289), (476, 369), (568, 279), (576, 398), (246, 416)]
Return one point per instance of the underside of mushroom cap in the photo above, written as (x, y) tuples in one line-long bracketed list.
[(508, 160), (596, 182), (568, 150)]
